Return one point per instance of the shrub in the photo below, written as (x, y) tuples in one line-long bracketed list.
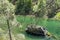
[(23, 7), (41, 9), (57, 17), (6, 7)]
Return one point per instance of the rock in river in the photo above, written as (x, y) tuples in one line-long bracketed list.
[(36, 30)]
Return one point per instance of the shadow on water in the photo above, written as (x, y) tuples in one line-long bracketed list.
[(35, 37)]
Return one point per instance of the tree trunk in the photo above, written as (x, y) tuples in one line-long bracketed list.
[(9, 30)]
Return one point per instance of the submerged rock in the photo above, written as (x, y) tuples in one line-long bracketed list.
[(36, 30), (20, 37)]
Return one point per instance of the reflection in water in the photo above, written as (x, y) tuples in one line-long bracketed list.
[(32, 37)]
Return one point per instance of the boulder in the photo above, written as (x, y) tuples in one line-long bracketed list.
[(36, 30)]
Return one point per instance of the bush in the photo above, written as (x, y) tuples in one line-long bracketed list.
[(13, 1), (23, 7), (6, 7), (41, 9), (52, 8), (57, 17)]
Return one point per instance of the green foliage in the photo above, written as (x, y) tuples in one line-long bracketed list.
[(52, 8), (47, 7), (6, 7), (23, 7), (9, 0), (57, 17), (13, 1), (58, 2), (40, 9), (28, 6)]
